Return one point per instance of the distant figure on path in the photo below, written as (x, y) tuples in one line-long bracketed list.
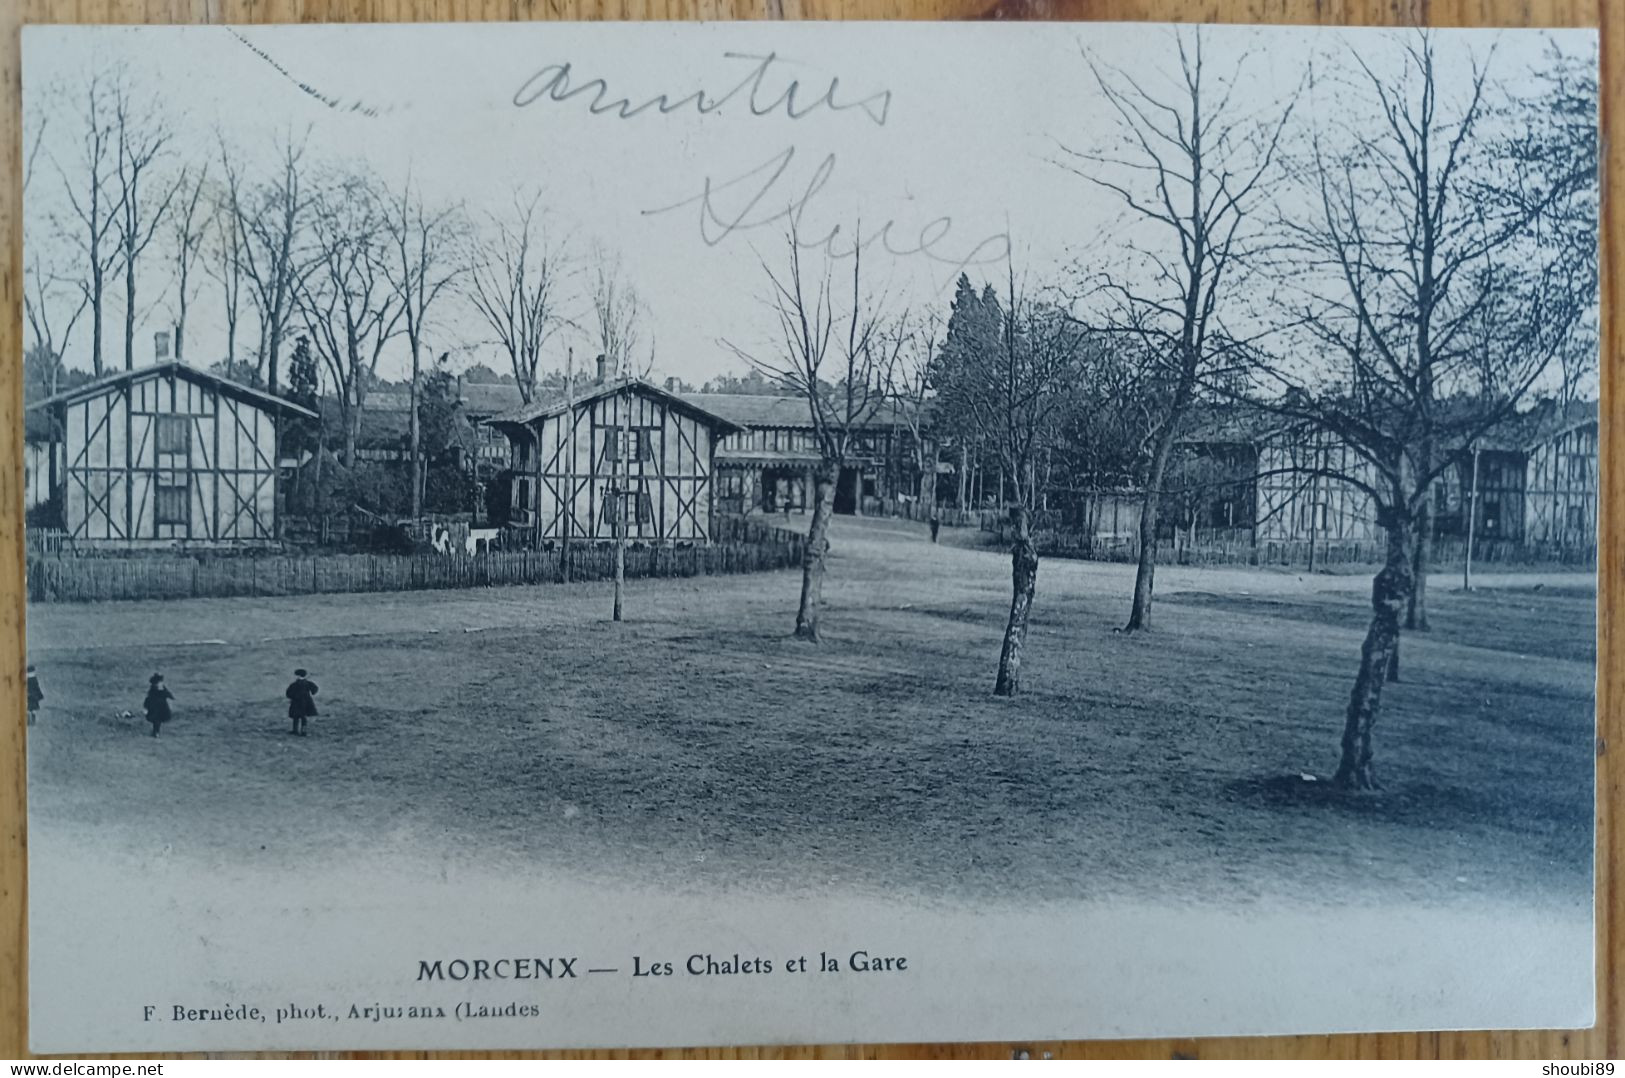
[(301, 701), (936, 525), (157, 702), (35, 694)]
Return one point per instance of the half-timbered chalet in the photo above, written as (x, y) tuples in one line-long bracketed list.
[(616, 452), (1561, 479), (167, 455)]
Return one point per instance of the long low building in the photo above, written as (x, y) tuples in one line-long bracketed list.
[(767, 466), (1533, 480)]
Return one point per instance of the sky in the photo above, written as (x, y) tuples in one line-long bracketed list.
[(945, 143)]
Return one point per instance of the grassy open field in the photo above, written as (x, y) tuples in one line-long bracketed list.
[(697, 746)]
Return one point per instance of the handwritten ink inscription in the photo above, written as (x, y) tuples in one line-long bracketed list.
[(554, 83), (768, 195)]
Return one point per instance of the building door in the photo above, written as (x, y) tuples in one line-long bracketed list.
[(848, 488)]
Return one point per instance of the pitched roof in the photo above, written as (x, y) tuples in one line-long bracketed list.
[(1227, 423), (784, 410), (554, 403), (487, 399), (1239, 423), (752, 410), (1547, 421), (172, 369), (476, 399)]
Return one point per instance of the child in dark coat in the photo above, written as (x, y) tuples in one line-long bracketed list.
[(35, 694), (157, 702), (301, 701)]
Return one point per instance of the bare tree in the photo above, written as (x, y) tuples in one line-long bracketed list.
[(617, 317), (835, 360), (141, 138), (1428, 311), (515, 277), (271, 221), (227, 261), (188, 229), (1191, 169), (345, 301), (92, 196), (420, 268), (45, 295), (45, 298), (908, 384), (1015, 395), (1553, 150)]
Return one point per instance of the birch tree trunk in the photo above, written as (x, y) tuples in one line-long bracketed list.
[(1390, 593), (1145, 573), (1416, 608), (1023, 583), (825, 476)]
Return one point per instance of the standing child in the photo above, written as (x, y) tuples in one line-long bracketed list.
[(35, 694), (301, 702), (157, 702)]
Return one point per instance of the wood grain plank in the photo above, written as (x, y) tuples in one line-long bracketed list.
[(1601, 1041)]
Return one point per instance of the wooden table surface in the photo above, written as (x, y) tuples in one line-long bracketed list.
[(1607, 15)]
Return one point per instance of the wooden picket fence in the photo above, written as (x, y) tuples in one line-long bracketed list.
[(104, 579), (1238, 547)]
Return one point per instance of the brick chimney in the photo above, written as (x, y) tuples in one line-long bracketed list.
[(602, 364)]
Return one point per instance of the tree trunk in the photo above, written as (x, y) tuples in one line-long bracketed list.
[(1139, 616), (1472, 520), (129, 314), (1416, 608), (1023, 582), (618, 528), (270, 370), (927, 491), (415, 430), (1390, 592), (620, 557), (96, 289), (812, 562), (352, 427)]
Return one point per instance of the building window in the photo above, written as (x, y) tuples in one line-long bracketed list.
[(1577, 470), (638, 506), (174, 506), (1492, 516), (628, 444), (1577, 518), (174, 433)]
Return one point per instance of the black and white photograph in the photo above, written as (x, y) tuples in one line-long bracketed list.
[(649, 535)]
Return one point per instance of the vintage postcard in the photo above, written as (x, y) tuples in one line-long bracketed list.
[(653, 535)]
